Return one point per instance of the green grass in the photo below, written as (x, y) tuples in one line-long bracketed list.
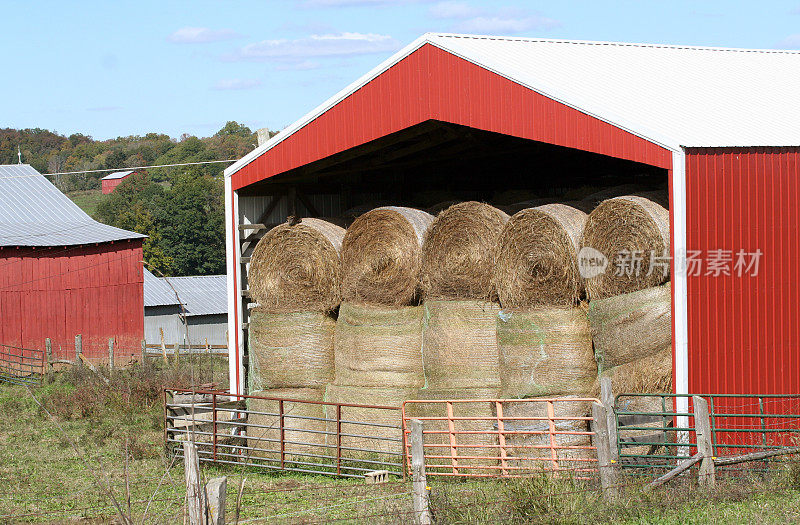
[(87, 200), (46, 480)]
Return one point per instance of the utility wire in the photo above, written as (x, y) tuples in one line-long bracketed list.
[(133, 168)]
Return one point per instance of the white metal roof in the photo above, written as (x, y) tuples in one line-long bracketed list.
[(33, 212), (117, 175), (157, 292), (202, 294), (672, 95)]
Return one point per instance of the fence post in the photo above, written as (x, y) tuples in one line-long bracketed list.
[(215, 492), (607, 398), (419, 482), (111, 353), (78, 349), (177, 353), (144, 350), (195, 495), (705, 446), (608, 474), (163, 346), (48, 353)]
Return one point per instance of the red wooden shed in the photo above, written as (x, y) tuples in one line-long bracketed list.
[(63, 274), (473, 115), (110, 182)]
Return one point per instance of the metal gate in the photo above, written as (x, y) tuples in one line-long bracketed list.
[(21, 366)]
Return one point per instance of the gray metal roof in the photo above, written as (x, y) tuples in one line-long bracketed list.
[(157, 292), (117, 175), (33, 212)]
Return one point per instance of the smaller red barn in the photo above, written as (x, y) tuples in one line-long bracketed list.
[(111, 181)]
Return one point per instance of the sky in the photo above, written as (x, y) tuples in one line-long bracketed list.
[(118, 68)]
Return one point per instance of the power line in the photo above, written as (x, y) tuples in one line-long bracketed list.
[(133, 168)]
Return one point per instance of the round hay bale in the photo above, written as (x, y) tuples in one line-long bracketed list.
[(459, 348), (303, 428), (296, 267), (379, 346), (647, 375), (473, 437), (381, 256), (373, 430), (631, 326), (457, 255), (530, 446), (626, 225), (547, 351), (289, 350), (536, 258)]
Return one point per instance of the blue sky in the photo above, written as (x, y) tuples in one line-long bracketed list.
[(112, 68)]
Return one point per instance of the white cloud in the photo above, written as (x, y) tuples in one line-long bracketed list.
[(201, 35), (330, 45), (453, 10), (236, 84), (502, 24), (302, 65), (790, 42)]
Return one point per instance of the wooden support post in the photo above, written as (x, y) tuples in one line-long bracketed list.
[(78, 349), (48, 354), (163, 346), (419, 484), (111, 353), (216, 490), (144, 350), (607, 398), (705, 445), (195, 493), (608, 474), (177, 347), (682, 467)]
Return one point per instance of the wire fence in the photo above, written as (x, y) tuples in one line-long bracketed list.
[(21, 366)]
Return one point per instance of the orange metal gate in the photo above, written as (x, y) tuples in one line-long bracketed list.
[(504, 437)]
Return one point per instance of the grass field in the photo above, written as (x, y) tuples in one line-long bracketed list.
[(58, 470), (87, 200)]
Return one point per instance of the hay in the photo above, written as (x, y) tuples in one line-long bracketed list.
[(379, 346), (296, 267), (381, 256), (289, 350), (648, 375), (533, 444), (263, 429), (632, 224), (383, 428), (536, 258), (457, 257), (459, 344), (546, 351), (631, 326)]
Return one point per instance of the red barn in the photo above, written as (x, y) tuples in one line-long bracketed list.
[(110, 182), (474, 115), (64, 274)]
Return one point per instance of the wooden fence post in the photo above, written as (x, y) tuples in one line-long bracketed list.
[(144, 350), (195, 493), (48, 354), (163, 346), (705, 445), (608, 474), (607, 398), (216, 490), (78, 349), (419, 482), (111, 353), (177, 347)]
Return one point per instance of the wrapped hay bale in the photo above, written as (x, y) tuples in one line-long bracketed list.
[(457, 257), (304, 427), (536, 258), (381, 256), (295, 267), (372, 430), (459, 348), (546, 351), (478, 437), (647, 375), (631, 326), (529, 442), (621, 226), (288, 350), (379, 346)]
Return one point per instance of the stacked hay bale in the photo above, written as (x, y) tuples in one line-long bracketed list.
[(543, 333), (630, 310), (378, 339), (295, 277)]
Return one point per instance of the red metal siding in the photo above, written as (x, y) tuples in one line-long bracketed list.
[(108, 186), (744, 332), (95, 291), (433, 84)]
